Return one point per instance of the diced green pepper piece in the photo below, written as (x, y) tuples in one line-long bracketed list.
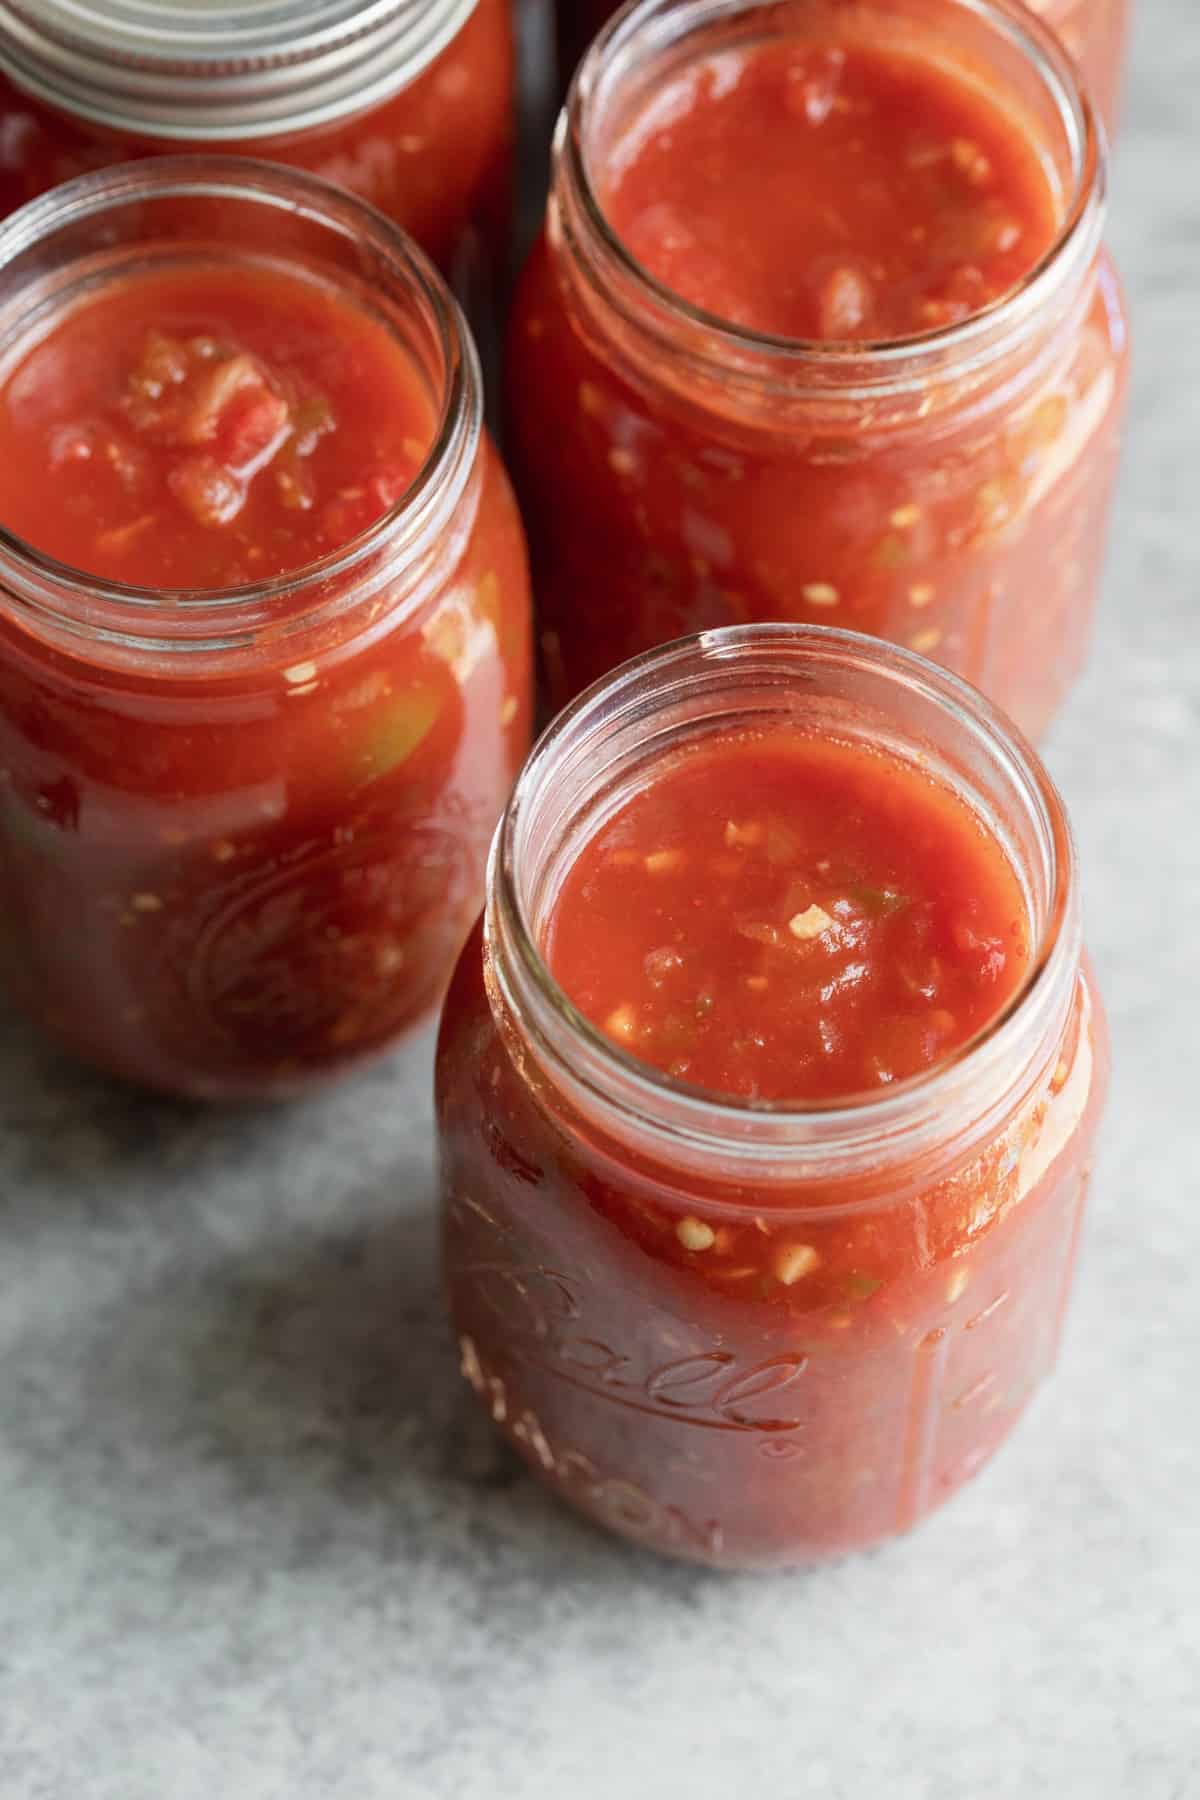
[(397, 730), (881, 902)]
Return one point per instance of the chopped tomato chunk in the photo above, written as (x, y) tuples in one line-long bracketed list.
[(829, 190), (204, 428)]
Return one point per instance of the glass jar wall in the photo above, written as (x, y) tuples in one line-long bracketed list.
[(737, 1332), (948, 490), (243, 828), (1094, 31)]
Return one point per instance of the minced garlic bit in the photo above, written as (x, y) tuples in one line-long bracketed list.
[(843, 303), (956, 1287), (622, 462), (920, 593), (223, 850), (810, 924), (508, 711), (820, 593), (622, 1023), (924, 641), (757, 984), (300, 673), (970, 160), (591, 400), (748, 835), (794, 1261), (146, 903), (905, 516), (661, 964), (694, 1234), (1003, 235), (664, 862)]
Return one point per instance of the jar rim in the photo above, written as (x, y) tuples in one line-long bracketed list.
[(218, 71), (681, 1113), (787, 364), (231, 617)]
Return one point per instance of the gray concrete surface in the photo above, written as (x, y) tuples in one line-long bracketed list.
[(253, 1544)]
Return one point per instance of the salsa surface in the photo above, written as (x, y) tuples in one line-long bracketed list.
[(780, 917), (206, 426), (841, 192)]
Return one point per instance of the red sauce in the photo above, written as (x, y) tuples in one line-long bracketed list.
[(839, 192), (235, 871), (781, 918), (206, 427)]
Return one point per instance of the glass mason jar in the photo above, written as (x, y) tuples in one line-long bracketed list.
[(741, 1421), (948, 491), (1094, 31), (407, 103), (243, 831)]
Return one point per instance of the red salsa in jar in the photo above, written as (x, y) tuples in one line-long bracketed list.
[(263, 627), (767, 1097), (820, 329), (412, 109), (919, 204), (206, 426), (781, 917)]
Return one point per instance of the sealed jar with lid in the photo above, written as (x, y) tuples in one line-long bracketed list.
[(822, 328), (767, 1096), (407, 103), (264, 626)]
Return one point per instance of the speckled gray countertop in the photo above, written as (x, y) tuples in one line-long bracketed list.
[(254, 1543)]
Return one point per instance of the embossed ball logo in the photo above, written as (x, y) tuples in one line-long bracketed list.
[(539, 1316), (331, 950)]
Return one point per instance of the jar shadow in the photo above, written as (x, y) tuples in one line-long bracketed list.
[(249, 1356)]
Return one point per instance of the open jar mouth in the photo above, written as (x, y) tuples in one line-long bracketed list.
[(632, 38), (724, 679), (67, 238)]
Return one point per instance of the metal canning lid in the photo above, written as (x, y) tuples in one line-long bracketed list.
[(220, 70)]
